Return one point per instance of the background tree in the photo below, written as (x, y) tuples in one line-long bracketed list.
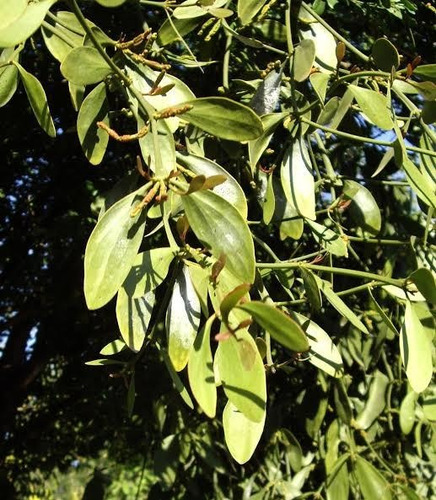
[(55, 410)]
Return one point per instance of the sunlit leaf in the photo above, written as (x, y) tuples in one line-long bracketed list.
[(376, 401), (241, 434), (320, 82), (219, 226), (167, 34), (372, 484), (10, 12), (311, 287), (424, 189), (338, 484), (374, 105), (200, 371), (111, 250), (247, 9), (61, 43), (110, 3), (113, 347), (182, 320), (231, 299), (425, 283), (325, 46), (407, 412), (363, 207), (427, 71), (84, 66), (304, 57), (257, 147), (328, 239), (8, 83)]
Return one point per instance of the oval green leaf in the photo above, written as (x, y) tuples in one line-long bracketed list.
[(385, 55), (219, 226), (71, 37), (304, 57), (279, 325), (328, 239), (85, 66), (241, 434), (363, 208), (114, 347), (338, 483), (10, 12), (425, 283), (224, 118), (407, 412), (111, 251), (376, 402), (247, 9), (8, 83), (93, 139), (372, 484), (374, 105)]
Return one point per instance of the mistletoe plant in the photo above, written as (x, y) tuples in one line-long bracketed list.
[(181, 241)]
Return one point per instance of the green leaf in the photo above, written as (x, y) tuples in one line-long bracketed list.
[(342, 109), (385, 318), (77, 93), (219, 226), (311, 288), (224, 118), (429, 407), (338, 483), (425, 283), (110, 3), (178, 384), (297, 179), (320, 82), (428, 114), (427, 71), (85, 66), (8, 83), (328, 239), (20, 24), (325, 46), (328, 113), (416, 347), (37, 99), (323, 353), (182, 320), (192, 9), (269, 202), (257, 147), (342, 402), (231, 299), (104, 362), (279, 325), (167, 34), (230, 190), (426, 89), (407, 412), (385, 55), (111, 250), (113, 347), (200, 371), (285, 210), (374, 105), (372, 484), (242, 374), (247, 9), (148, 271), (61, 46), (424, 189), (363, 208), (339, 304), (376, 402), (241, 434), (133, 317), (271, 30), (93, 139), (304, 57)]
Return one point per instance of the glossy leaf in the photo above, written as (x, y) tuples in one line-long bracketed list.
[(304, 57), (340, 305), (85, 66), (297, 179), (37, 99), (374, 105), (328, 239), (425, 283), (230, 190), (241, 434), (247, 9), (219, 226), (372, 484), (385, 55), (182, 320), (407, 412), (111, 250), (114, 347), (224, 118), (133, 316), (363, 208), (8, 83), (200, 371), (416, 347), (18, 27), (323, 353), (71, 37), (376, 402), (93, 139), (148, 271), (280, 326), (242, 374), (338, 483)]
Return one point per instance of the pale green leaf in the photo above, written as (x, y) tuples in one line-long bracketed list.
[(133, 317), (342, 109), (200, 371), (363, 207), (167, 34), (77, 93), (311, 288), (374, 105), (385, 318), (182, 320), (328, 239), (325, 47), (230, 190), (426, 71), (304, 57), (320, 82), (190, 9), (111, 250), (407, 412), (340, 305), (416, 346), (242, 374), (424, 280), (297, 179), (85, 66), (338, 483), (178, 384), (269, 202), (8, 83), (224, 118), (104, 362), (280, 326), (18, 27), (323, 353), (429, 407), (291, 225), (376, 401), (328, 113), (61, 46), (110, 3), (114, 347), (38, 100), (399, 293), (247, 9), (241, 434), (257, 147), (372, 484), (419, 183), (93, 139), (385, 55), (219, 226)]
